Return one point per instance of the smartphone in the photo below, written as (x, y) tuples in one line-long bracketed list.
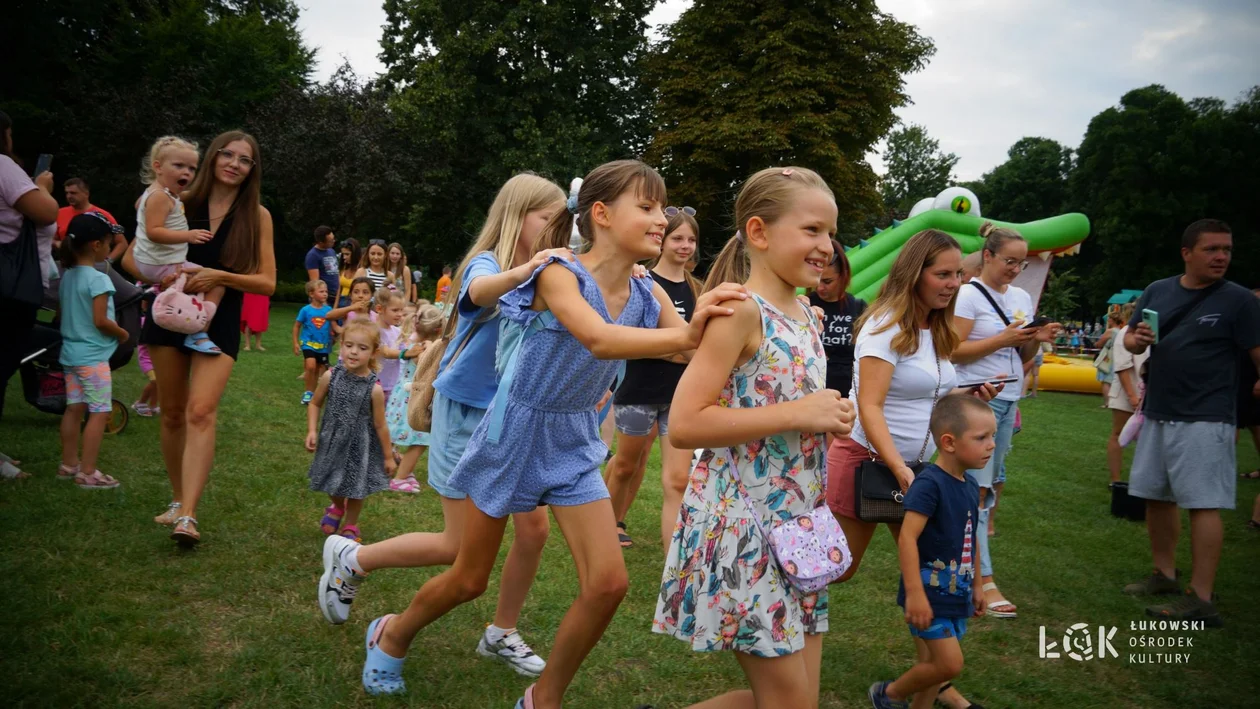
[(1151, 318), (1040, 321), (44, 164), (994, 382)]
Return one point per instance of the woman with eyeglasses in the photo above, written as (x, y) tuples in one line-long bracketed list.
[(643, 399), (992, 318), (350, 256), (840, 312), (224, 199), (372, 267)]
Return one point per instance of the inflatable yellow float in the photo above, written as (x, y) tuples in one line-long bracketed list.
[(1064, 374)]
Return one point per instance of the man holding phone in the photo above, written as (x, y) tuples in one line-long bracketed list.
[(1185, 454), (78, 199)]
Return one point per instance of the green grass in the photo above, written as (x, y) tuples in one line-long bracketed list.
[(103, 610)]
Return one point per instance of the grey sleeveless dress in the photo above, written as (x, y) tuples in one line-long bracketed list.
[(348, 461)]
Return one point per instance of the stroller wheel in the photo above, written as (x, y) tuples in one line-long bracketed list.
[(118, 416)]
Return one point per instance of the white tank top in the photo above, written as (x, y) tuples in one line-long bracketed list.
[(150, 252)]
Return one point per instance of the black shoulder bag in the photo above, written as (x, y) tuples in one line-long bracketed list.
[(20, 278), (878, 494)]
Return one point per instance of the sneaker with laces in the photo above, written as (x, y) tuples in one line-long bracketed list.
[(878, 694), (511, 649), (339, 582), (1189, 607), (1157, 584)]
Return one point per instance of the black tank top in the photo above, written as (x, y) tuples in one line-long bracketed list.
[(225, 329), (652, 381)]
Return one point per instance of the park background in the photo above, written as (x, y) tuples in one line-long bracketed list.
[(103, 611)]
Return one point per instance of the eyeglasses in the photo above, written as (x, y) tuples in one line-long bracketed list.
[(1012, 262), (672, 212), (243, 160)]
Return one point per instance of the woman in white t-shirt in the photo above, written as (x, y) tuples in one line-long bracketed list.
[(1125, 394), (990, 317)]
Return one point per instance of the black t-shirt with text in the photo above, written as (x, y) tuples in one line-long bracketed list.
[(1193, 370), (837, 338), (652, 381)]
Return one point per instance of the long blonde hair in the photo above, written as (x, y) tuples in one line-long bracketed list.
[(519, 196), (159, 148), (768, 194), (899, 303)]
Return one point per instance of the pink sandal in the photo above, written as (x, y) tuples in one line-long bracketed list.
[(67, 472), (95, 481), (408, 484)]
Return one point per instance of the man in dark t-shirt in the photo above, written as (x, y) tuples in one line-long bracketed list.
[(322, 262), (1186, 456)]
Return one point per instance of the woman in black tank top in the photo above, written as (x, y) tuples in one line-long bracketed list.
[(641, 404), (223, 198)]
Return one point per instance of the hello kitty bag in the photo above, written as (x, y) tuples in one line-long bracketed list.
[(181, 312), (811, 549)]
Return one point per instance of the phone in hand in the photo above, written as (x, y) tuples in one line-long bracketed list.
[(44, 164), (1040, 321), (1151, 318), (995, 382)]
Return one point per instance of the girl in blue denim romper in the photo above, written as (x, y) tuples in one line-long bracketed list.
[(538, 443)]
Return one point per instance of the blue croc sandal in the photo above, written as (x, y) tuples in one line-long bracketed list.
[(382, 673), (201, 342), (527, 701)]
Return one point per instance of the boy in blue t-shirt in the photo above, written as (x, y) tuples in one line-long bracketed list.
[(937, 547), (313, 335)]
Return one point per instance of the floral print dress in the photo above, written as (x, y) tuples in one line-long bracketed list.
[(722, 589)]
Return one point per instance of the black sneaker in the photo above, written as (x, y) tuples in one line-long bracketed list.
[(1157, 584), (1189, 607)]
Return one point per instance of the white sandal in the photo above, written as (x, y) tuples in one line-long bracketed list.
[(170, 515), (992, 607)]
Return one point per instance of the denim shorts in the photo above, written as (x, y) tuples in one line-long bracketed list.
[(941, 628), (637, 419), (453, 425)]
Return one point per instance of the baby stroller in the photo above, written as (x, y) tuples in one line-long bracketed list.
[(44, 382)]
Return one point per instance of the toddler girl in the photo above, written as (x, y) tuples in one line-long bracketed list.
[(350, 461), (162, 233), (89, 337), (424, 326), (754, 398)]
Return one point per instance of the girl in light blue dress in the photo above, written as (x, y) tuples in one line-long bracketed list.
[(418, 332)]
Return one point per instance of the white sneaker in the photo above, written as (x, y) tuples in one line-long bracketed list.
[(512, 650), (339, 583)]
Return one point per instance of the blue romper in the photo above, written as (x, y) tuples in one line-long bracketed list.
[(549, 451)]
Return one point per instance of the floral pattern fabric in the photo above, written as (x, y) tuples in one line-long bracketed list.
[(721, 588)]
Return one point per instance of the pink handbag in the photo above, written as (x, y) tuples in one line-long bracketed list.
[(181, 312), (811, 549)]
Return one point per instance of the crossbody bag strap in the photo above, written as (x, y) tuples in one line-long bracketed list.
[(1005, 320), (936, 395), (1178, 317)]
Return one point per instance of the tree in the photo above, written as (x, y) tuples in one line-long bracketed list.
[(1060, 299), (916, 168), (1152, 165), (741, 85), (1032, 184), (491, 89)]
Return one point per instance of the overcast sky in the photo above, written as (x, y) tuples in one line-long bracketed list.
[(1003, 69)]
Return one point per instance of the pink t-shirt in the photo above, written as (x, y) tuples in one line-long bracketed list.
[(14, 182)]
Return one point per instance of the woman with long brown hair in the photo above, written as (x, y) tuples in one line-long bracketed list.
[(223, 198), (841, 312)]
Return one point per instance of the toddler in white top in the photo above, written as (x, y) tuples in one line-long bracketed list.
[(162, 233)]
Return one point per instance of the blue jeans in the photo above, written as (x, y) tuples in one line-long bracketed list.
[(986, 476)]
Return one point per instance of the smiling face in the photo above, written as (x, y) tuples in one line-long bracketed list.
[(1005, 266), (175, 168), (939, 280), (395, 256), (635, 223), (679, 246), (1210, 257), (798, 245), (393, 311), (234, 163)]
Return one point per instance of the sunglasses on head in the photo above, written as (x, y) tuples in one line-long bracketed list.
[(377, 242), (672, 212)]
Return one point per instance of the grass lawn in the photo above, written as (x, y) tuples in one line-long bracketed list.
[(105, 611)]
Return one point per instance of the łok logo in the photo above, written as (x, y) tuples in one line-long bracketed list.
[(1078, 643)]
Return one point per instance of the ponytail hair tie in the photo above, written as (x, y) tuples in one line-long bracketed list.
[(572, 204), (739, 234)]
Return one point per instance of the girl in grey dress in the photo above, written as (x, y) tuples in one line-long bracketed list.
[(350, 461)]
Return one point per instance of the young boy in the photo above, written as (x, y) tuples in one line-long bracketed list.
[(936, 547), (313, 334)]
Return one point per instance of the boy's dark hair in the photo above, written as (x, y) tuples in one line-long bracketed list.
[(950, 414), (1190, 237), (322, 232), (76, 182)]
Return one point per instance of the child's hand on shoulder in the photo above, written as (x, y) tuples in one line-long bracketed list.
[(918, 610), (711, 304), (824, 411), (311, 437)]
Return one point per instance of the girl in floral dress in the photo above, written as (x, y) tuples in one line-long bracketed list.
[(754, 400), (424, 326)]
